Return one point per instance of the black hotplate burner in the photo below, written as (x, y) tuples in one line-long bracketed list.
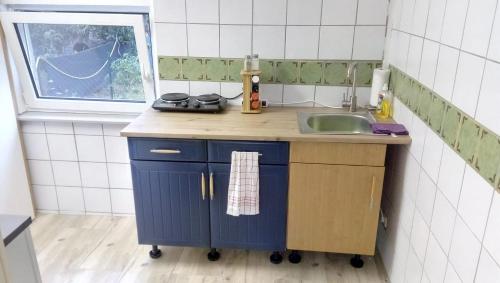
[(181, 102)]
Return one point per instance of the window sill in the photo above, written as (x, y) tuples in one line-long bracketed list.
[(77, 117)]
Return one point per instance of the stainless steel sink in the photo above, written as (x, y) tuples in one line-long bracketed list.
[(336, 123)]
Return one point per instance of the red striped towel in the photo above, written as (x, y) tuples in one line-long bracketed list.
[(243, 192)]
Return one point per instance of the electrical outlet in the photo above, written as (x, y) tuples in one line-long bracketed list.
[(264, 103)]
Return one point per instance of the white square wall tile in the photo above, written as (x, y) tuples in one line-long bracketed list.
[(451, 275), (363, 94), (492, 234), (487, 109), (235, 41), (414, 56), (475, 201), (339, 12), (62, 147), (35, 146), (413, 273), (428, 63), (372, 12), (269, 12), (419, 235), (336, 42), (453, 22), (431, 157), (235, 11), (468, 82), (94, 175), (368, 42), (478, 26), (488, 271), (170, 11), (443, 221), (420, 17), (418, 130), (70, 199), (407, 15), (272, 92), (426, 196), (231, 90), (435, 261), (87, 128), (494, 49), (41, 172), (435, 19), (171, 39), (397, 271), (90, 148), (45, 197), (402, 50), (330, 95), (464, 252), (120, 176), (33, 127), (445, 72), (97, 200), (122, 201), (203, 40), (59, 127), (66, 173), (304, 12), (198, 88), (269, 41), (116, 149), (451, 173), (411, 176), (113, 129), (169, 86), (298, 94), (202, 11), (302, 42)]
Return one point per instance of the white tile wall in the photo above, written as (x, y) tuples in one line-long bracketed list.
[(462, 245), (78, 172), (274, 29)]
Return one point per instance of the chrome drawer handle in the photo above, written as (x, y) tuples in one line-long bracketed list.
[(165, 151)]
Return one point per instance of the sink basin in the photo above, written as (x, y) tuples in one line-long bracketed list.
[(336, 123)]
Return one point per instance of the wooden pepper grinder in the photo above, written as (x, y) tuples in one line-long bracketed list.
[(251, 78)]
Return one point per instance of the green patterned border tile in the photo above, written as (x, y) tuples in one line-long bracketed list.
[(477, 145), (301, 72)]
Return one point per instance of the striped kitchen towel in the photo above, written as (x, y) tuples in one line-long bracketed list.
[(243, 192)]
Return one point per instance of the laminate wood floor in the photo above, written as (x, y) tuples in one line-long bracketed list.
[(89, 248)]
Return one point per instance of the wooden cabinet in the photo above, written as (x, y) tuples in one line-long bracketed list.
[(334, 207)]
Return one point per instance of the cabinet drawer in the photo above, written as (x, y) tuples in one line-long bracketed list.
[(338, 153), (167, 149), (270, 152)]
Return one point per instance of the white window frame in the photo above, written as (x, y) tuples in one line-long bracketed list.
[(27, 89)]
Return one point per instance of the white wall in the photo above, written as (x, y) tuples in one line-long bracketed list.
[(444, 218), (14, 188)]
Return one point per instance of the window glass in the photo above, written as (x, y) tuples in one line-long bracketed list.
[(85, 62)]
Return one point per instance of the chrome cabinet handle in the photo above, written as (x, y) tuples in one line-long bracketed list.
[(165, 151), (203, 185), (211, 186)]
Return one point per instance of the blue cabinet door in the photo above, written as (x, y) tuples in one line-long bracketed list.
[(169, 206), (266, 231)]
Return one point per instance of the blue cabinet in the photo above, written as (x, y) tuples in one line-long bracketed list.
[(169, 205), (265, 231)]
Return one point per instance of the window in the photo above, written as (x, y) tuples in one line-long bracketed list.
[(81, 61)]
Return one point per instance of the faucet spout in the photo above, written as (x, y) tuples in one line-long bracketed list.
[(351, 75)]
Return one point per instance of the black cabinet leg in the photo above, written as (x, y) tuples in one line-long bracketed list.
[(294, 257), (276, 257), (155, 252), (213, 255), (356, 261)]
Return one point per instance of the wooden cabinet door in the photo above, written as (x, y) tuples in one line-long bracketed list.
[(169, 204), (265, 231), (334, 208)]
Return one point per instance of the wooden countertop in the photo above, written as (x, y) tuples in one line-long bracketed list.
[(273, 124)]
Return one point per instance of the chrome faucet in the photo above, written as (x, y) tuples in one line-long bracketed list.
[(351, 75)]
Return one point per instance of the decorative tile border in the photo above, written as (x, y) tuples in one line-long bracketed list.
[(299, 72), (476, 144)]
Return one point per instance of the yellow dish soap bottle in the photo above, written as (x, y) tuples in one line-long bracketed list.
[(386, 105)]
